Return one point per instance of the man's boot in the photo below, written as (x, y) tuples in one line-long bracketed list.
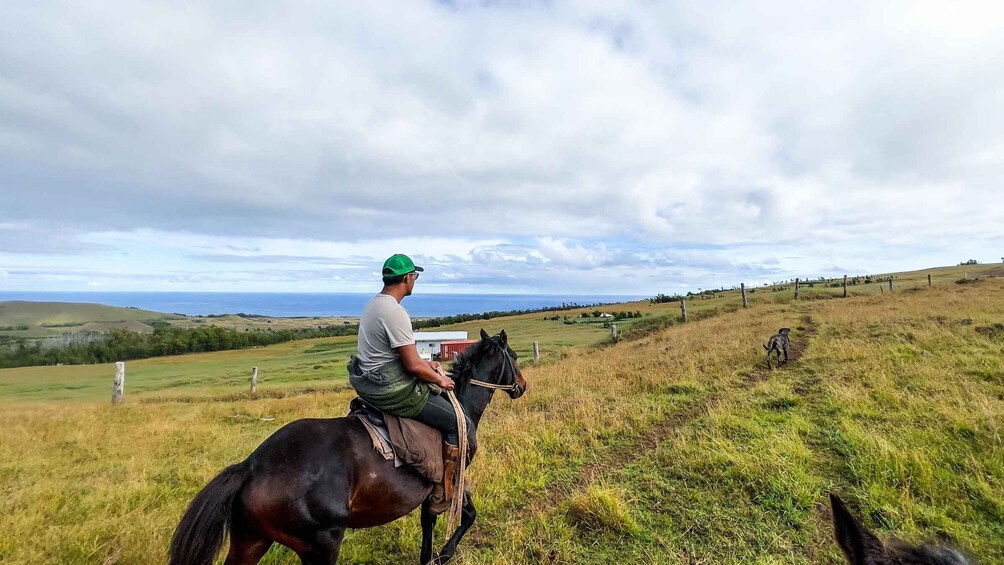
[(443, 493)]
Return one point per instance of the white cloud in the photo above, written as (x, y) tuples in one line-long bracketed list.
[(528, 138)]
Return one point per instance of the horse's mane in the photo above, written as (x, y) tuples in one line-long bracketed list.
[(465, 362)]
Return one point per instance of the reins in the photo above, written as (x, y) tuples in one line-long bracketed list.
[(457, 504)]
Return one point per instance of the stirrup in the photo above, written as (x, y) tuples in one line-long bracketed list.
[(443, 492)]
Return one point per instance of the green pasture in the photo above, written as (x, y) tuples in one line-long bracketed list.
[(307, 364)]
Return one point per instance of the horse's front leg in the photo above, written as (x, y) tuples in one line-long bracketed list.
[(467, 517), (428, 528)]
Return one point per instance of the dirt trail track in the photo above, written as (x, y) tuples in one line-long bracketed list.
[(625, 453), (799, 344)]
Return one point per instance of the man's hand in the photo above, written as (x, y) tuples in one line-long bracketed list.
[(445, 382), (428, 371)]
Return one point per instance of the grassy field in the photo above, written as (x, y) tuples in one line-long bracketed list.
[(674, 446)]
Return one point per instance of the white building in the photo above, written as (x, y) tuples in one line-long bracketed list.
[(428, 343)]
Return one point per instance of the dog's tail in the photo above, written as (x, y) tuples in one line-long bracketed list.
[(765, 347)]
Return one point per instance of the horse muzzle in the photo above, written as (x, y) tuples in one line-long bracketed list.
[(518, 390)]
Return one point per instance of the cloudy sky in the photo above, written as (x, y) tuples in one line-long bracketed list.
[(579, 147)]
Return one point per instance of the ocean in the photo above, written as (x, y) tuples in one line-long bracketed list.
[(310, 304)]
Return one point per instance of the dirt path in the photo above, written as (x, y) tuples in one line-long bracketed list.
[(799, 343), (621, 455)]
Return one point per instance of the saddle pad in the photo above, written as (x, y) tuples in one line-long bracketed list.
[(381, 440), (420, 446)]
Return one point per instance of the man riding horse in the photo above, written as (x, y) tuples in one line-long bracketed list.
[(314, 478), (388, 373)]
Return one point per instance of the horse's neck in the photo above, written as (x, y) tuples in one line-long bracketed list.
[(474, 400), (475, 409)]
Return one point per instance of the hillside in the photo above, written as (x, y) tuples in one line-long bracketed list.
[(25, 319), (13, 313), (44, 319), (676, 446)]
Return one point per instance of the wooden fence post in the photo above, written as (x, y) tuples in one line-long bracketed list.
[(613, 333), (746, 303), (929, 280), (845, 286), (254, 379), (118, 388), (536, 352), (796, 289), (683, 309), (890, 284)]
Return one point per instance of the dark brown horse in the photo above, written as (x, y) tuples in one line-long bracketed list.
[(314, 478), (861, 547)]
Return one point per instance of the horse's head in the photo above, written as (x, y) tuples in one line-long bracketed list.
[(493, 364), (863, 547)]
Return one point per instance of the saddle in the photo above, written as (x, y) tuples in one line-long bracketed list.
[(411, 442)]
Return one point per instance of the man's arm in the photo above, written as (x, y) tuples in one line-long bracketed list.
[(421, 368)]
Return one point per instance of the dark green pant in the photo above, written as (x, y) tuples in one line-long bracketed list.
[(438, 413)]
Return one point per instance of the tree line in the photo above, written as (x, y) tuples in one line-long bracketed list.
[(125, 345), (663, 298)]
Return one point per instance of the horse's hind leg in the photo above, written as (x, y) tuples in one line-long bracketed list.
[(467, 517), (246, 548), (324, 548), (247, 544)]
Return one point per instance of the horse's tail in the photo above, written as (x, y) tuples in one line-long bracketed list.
[(200, 534)]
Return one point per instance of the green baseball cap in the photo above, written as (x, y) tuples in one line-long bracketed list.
[(397, 265)]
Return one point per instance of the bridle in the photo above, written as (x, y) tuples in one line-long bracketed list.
[(508, 364)]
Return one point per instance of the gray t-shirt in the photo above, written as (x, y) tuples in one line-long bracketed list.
[(384, 325)]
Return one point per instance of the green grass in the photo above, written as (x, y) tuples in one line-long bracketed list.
[(673, 447), (294, 365)]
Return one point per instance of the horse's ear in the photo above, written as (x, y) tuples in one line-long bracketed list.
[(503, 337), (484, 335), (859, 545)]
